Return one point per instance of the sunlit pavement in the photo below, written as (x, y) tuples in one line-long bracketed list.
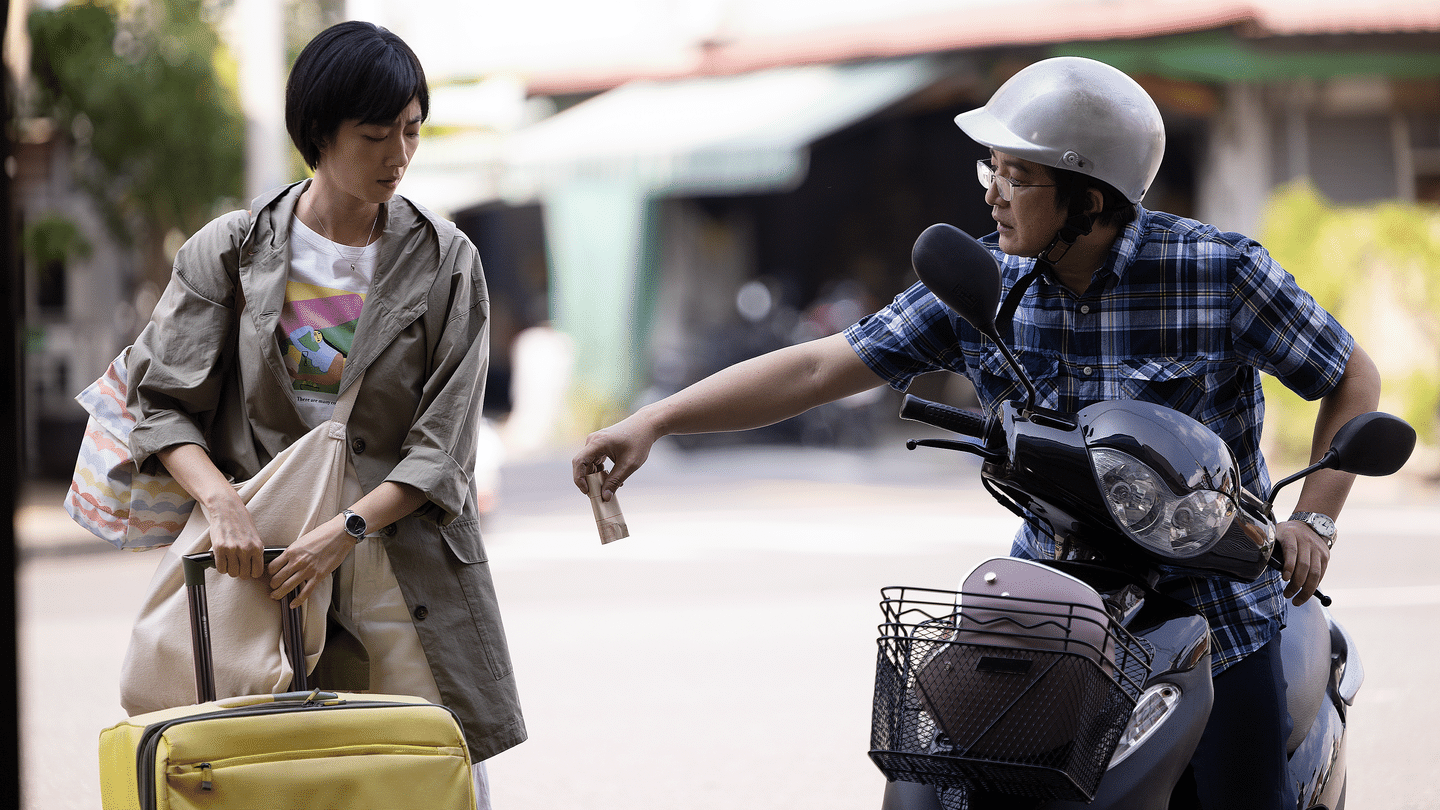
[(722, 655)]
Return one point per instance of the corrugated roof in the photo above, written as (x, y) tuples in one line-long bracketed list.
[(1015, 23), (1318, 17)]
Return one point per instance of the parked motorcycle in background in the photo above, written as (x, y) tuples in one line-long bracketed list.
[(1079, 681)]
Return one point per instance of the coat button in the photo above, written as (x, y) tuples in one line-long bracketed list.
[(358, 445), (389, 531), (421, 612)]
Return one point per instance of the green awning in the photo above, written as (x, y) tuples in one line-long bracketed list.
[(1222, 56)]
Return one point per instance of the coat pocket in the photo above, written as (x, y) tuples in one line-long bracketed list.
[(462, 537), (472, 571)]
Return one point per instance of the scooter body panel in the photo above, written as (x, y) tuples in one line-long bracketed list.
[(1145, 780)]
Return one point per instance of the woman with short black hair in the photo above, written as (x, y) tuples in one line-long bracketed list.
[(270, 314)]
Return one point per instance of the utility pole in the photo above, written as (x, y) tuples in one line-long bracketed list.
[(259, 46), (12, 459)]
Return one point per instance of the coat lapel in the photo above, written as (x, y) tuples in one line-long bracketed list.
[(399, 294)]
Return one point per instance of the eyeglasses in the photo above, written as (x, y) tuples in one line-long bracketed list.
[(1004, 186)]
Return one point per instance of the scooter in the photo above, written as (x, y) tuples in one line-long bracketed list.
[(1082, 680)]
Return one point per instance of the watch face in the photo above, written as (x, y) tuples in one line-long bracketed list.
[(355, 525), (1323, 525)]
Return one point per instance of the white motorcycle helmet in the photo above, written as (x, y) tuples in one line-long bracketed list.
[(1078, 114)]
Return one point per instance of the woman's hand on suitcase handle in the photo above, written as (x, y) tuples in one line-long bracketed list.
[(309, 560), (239, 551)]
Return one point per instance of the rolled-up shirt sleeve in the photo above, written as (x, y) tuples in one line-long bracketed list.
[(912, 335)]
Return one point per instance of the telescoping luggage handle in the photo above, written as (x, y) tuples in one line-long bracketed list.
[(195, 566)]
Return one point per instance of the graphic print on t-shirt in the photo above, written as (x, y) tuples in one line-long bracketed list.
[(319, 325)]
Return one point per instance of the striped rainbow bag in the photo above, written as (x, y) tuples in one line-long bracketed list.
[(108, 496)]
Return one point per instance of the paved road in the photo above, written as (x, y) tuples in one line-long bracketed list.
[(722, 656)]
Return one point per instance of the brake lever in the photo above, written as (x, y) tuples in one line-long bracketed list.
[(952, 444)]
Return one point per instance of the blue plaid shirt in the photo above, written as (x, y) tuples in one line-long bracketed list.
[(1182, 315)]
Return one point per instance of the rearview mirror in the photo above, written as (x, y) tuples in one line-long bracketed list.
[(1371, 444), (964, 276), (961, 272)]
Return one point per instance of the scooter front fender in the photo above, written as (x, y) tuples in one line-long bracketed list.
[(910, 796), (1317, 768), (1145, 780)]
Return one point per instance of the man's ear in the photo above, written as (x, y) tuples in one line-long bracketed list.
[(1094, 201)]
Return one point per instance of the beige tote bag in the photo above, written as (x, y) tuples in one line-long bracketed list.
[(298, 490)]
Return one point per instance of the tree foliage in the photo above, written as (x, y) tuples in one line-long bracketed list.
[(1377, 269), (158, 134)]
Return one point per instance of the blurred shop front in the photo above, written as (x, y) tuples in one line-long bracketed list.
[(662, 201), (673, 228)]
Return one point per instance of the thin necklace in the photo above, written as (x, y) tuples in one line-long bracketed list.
[(335, 246)]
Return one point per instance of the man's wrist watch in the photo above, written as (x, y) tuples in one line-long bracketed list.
[(354, 524), (1322, 525)]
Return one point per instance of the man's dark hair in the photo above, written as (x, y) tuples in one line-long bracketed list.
[(1072, 194), (350, 71)]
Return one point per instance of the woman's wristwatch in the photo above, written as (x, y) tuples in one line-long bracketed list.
[(1322, 525), (355, 525)]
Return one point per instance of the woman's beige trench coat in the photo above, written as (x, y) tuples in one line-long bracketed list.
[(208, 370)]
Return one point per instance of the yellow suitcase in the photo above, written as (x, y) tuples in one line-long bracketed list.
[(301, 749), (296, 750)]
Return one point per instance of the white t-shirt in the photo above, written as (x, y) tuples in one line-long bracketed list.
[(324, 294)]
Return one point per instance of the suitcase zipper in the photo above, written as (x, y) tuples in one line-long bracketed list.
[(149, 739), (213, 771)]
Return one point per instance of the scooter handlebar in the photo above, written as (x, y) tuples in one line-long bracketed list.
[(945, 417)]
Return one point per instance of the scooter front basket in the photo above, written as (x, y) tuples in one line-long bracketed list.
[(1000, 693)]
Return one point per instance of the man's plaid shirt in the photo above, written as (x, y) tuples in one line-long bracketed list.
[(1182, 315)]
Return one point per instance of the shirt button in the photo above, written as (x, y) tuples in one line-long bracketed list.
[(1084, 309), (421, 612), (389, 531), (1087, 371), (358, 445)]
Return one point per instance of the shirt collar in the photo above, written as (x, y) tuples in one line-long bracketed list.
[(1127, 246)]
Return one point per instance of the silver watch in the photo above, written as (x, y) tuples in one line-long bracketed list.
[(1322, 525), (354, 524)]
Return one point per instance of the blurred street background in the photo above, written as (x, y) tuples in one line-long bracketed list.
[(658, 189)]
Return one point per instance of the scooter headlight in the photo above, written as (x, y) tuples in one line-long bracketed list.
[(1152, 515)]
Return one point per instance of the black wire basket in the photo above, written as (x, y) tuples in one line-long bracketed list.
[(1001, 694)]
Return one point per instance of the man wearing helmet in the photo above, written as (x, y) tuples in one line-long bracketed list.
[(1103, 300)]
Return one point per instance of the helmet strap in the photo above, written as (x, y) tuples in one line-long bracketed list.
[(1076, 226)]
